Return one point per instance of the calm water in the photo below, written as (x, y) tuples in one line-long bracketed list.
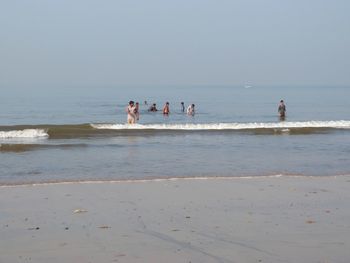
[(47, 136)]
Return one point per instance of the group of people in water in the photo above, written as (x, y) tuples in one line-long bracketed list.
[(133, 110)]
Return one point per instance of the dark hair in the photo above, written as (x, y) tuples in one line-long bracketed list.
[(131, 102), (281, 101)]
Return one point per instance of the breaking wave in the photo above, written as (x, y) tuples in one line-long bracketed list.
[(104, 130), (227, 126), (26, 133)]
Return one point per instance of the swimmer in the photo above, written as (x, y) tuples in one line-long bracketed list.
[(166, 109), (130, 109), (190, 110), (137, 111), (182, 106), (153, 108), (282, 109)]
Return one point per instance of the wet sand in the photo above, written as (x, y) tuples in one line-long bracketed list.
[(267, 219)]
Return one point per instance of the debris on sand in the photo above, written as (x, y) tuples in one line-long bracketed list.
[(77, 211), (104, 227), (310, 222), (34, 228)]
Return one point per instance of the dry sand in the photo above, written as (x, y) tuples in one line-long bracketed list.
[(267, 219)]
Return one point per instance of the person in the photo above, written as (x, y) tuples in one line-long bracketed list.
[(166, 109), (190, 110), (153, 108), (137, 111), (145, 102), (130, 109), (182, 106), (282, 109)]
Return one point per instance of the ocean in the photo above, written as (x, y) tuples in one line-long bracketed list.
[(64, 135)]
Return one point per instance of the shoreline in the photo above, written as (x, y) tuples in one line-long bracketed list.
[(260, 219), (165, 179)]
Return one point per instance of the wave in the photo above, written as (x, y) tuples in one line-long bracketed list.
[(171, 179), (227, 126), (23, 147), (103, 130), (26, 133)]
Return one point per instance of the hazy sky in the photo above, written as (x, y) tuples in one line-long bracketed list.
[(174, 42)]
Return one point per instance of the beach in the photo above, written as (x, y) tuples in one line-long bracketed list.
[(175, 131), (233, 219)]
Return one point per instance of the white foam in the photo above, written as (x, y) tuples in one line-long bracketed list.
[(27, 133), (171, 179), (227, 126)]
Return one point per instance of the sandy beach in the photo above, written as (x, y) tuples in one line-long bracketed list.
[(261, 219)]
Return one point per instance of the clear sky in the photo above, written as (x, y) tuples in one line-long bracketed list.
[(174, 42)]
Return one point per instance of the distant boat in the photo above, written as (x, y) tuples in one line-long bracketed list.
[(247, 86)]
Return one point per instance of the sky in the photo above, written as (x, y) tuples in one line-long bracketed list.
[(83, 43)]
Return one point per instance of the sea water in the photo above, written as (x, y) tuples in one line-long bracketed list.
[(57, 135)]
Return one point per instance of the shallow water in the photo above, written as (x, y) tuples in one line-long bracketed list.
[(80, 134)]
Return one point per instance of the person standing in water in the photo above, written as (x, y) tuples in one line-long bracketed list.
[(190, 110), (282, 109), (166, 109), (137, 111), (130, 109), (182, 106), (153, 108)]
